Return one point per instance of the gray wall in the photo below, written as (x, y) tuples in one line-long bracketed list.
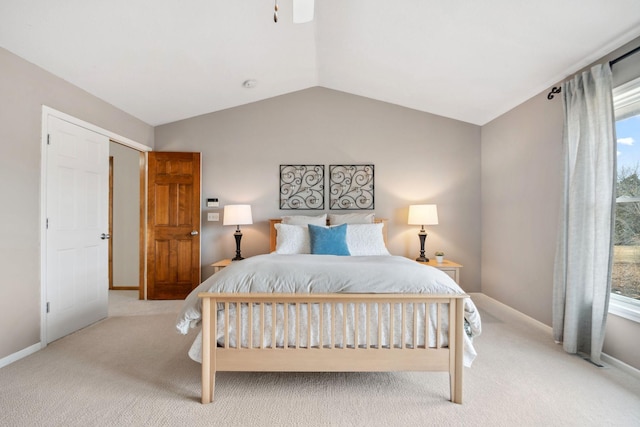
[(521, 177), (521, 190), (24, 88), (125, 236), (418, 158)]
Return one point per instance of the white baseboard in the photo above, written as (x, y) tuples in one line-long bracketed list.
[(627, 369), (508, 309), (19, 355)]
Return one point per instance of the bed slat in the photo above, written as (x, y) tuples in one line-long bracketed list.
[(286, 326), (261, 325), (297, 325), (333, 325)]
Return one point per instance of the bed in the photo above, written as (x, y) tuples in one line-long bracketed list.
[(314, 312)]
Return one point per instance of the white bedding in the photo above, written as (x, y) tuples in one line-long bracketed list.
[(274, 273)]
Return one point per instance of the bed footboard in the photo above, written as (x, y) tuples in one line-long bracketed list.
[(332, 332)]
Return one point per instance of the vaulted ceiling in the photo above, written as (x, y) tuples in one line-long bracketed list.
[(166, 60)]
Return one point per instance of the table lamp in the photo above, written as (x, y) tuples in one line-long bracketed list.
[(423, 215), (237, 215)]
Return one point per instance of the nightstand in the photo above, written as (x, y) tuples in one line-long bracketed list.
[(449, 267), (217, 266)]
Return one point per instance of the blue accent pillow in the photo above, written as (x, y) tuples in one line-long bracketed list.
[(328, 240)]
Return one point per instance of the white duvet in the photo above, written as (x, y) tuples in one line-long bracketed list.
[(274, 273)]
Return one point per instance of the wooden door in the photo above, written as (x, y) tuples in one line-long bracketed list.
[(77, 190), (173, 224)]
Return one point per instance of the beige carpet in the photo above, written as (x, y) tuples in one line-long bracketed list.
[(126, 303), (134, 370)]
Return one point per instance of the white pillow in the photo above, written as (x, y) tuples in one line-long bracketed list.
[(305, 220), (351, 218), (292, 239), (366, 240)]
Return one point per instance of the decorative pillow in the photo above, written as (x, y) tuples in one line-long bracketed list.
[(328, 240), (351, 218), (366, 239), (292, 239), (305, 220)]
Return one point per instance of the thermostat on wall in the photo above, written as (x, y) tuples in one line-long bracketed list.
[(212, 203)]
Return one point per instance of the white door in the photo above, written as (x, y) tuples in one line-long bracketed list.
[(77, 190)]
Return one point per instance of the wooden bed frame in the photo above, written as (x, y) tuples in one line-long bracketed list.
[(334, 357)]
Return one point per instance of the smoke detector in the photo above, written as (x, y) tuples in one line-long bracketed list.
[(249, 84)]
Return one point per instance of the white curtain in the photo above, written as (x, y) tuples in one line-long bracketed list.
[(582, 277)]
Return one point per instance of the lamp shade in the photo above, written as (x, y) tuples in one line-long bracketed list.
[(423, 215), (237, 215)]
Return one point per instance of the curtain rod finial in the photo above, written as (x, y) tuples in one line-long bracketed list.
[(556, 89)]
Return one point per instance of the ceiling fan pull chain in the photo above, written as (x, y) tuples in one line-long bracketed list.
[(275, 13)]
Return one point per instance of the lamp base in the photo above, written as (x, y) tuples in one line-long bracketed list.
[(238, 237), (422, 235)]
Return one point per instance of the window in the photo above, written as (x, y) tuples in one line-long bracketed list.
[(625, 277)]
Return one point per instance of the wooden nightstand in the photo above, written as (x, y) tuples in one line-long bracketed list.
[(449, 267), (217, 266)]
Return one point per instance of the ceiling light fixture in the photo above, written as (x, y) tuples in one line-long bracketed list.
[(302, 11)]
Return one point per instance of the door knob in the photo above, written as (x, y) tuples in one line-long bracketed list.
[(105, 236), (194, 233)]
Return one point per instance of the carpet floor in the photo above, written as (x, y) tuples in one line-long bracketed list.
[(134, 371)]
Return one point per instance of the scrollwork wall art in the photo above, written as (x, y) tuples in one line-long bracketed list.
[(302, 187), (351, 187)]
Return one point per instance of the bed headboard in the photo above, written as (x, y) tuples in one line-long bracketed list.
[(273, 232)]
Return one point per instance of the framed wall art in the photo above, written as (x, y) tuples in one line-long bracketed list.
[(302, 187), (351, 187)]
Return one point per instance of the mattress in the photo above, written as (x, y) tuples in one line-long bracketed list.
[(274, 273)]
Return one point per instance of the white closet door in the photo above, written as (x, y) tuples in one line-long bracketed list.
[(77, 215)]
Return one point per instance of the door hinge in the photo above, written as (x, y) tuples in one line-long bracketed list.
[(48, 139), (47, 224), (47, 306)]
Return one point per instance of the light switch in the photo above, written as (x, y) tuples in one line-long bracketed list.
[(213, 216), (213, 203)]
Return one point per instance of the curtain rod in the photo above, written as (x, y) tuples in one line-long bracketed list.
[(558, 89)]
